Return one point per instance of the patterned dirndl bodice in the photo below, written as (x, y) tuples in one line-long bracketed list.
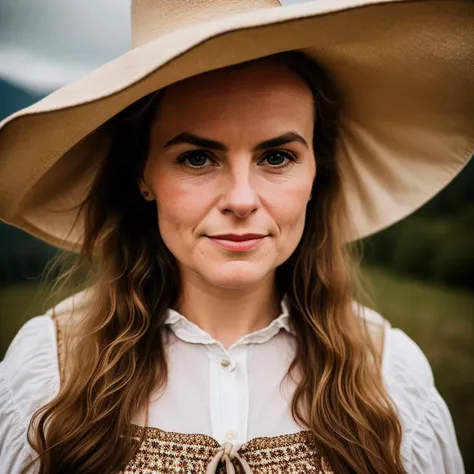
[(165, 452)]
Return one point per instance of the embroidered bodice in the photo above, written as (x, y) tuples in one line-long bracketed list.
[(169, 453)]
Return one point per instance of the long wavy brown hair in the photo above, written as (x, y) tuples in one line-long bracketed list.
[(117, 350)]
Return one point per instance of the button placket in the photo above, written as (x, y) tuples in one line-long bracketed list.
[(242, 393), (221, 383), (229, 406), (230, 410), (224, 395)]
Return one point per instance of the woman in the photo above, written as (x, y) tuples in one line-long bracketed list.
[(213, 199)]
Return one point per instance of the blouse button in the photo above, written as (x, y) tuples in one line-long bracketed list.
[(225, 362), (231, 435)]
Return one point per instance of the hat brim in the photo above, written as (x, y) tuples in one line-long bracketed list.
[(404, 69)]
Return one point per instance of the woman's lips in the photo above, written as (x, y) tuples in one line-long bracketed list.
[(237, 245)]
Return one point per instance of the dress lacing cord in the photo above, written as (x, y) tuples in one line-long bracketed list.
[(227, 453)]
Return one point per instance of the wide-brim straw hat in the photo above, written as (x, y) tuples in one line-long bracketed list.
[(404, 69)]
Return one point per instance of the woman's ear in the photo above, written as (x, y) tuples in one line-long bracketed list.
[(145, 191)]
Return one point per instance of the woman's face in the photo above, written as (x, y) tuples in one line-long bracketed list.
[(213, 169)]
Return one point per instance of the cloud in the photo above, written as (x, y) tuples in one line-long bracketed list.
[(45, 44), (38, 73)]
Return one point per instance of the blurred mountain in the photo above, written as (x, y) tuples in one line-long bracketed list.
[(13, 98), (22, 256)]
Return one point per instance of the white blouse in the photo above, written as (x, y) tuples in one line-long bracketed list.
[(232, 395)]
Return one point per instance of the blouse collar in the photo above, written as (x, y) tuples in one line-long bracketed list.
[(186, 330)]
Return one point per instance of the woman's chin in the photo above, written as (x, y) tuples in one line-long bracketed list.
[(235, 275)]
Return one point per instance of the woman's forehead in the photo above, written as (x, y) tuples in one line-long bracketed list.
[(261, 79), (255, 93)]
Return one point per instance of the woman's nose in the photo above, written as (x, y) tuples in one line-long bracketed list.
[(240, 196)]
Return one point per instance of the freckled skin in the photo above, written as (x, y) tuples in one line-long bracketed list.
[(238, 191)]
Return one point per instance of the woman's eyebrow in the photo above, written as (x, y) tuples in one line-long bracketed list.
[(192, 139)]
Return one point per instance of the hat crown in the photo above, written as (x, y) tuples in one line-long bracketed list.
[(154, 18)]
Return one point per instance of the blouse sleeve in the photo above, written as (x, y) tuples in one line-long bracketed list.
[(429, 443), (28, 379)]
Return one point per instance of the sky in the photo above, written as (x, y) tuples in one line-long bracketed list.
[(45, 44)]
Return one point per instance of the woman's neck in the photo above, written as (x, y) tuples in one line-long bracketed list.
[(229, 314)]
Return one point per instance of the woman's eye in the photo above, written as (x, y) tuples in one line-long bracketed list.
[(196, 160), (276, 158)]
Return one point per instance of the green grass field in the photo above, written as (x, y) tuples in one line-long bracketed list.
[(440, 320)]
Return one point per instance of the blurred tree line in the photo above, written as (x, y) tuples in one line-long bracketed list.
[(436, 242), (433, 244)]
